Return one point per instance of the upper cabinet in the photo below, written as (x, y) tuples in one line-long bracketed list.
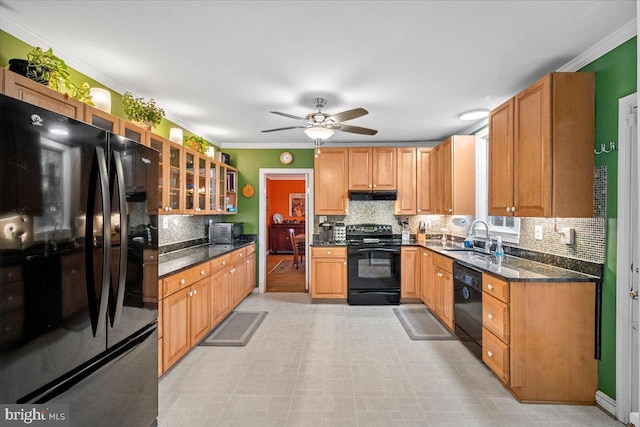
[(170, 186), (406, 202), (541, 156), (24, 89), (424, 185), (101, 119), (372, 168), (455, 171), (331, 169)]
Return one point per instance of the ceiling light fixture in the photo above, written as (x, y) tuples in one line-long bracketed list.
[(475, 114), (318, 132)]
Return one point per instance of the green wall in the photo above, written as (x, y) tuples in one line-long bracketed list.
[(248, 162), (11, 47), (616, 77)]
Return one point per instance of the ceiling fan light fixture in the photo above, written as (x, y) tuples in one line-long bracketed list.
[(475, 114), (319, 132)]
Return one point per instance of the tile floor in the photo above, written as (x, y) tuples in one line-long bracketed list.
[(338, 365)]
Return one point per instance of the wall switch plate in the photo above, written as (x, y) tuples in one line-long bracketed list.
[(322, 219), (165, 222), (538, 232)]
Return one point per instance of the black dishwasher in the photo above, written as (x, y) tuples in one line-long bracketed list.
[(467, 300)]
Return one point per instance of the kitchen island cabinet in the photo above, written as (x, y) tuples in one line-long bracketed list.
[(541, 156)]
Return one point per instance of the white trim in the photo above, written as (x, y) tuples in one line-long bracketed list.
[(607, 44), (605, 402), (623, 302), (634, 418), (263, 173)]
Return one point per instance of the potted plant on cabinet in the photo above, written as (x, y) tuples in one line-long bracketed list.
[(197, 143), (144, 112)]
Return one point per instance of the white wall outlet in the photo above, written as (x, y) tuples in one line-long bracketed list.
[(568, 235), (538, 232), (322, 219), (427, 224), (165, 222)]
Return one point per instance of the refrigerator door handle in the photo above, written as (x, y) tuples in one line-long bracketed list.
[(124, 236), (99, 326)]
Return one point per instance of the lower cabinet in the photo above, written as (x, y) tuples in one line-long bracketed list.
[(442, 278), (541, 350), (329, 272), (410, 272), (197, 299), (426, 279)]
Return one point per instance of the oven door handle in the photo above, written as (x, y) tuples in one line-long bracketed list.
[(361, 250)]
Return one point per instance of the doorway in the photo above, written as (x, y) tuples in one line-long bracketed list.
[(628, 263), (291, 190)]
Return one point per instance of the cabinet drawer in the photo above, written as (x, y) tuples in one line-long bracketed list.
[(443, 262), (220, 263), (149, 256), (495, 354), (495, 287), (331, 252), (11, 296), (238, 254), (495, 317), (185, 278), (251, 249)]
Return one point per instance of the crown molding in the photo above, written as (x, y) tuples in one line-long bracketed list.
[(607, 44), (328, 144)]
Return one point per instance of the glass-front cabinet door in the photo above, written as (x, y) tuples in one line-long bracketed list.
[(201, 180), (212, 186), (190, 184), (158, 144)]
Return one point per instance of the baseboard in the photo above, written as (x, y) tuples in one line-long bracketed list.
[(634, 419), (606, 403)]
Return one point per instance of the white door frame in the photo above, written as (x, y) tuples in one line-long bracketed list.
[(623, 273), (262, 218)]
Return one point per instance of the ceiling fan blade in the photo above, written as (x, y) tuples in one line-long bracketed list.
[(354, 129), (348, 115), (291, 116), (290, 127)]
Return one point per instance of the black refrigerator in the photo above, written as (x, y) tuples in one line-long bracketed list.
[(78, 307)]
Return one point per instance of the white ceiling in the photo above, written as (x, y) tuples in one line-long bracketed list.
[(219, 67)]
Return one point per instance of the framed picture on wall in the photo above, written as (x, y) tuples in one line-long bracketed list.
[(296, 205)]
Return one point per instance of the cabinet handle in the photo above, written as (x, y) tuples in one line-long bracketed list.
[(490, 353), (182, 282), (490, 286), (490, 316)]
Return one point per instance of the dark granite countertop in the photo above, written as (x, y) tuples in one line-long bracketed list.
[(173, 262), (512, 268)]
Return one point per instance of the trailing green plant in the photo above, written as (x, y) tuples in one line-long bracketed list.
[(139, 110), (196, 143), (45, 67)]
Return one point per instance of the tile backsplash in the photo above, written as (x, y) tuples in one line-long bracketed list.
[(184, 228)]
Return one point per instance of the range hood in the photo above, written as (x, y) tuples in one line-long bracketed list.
[(373, 195)]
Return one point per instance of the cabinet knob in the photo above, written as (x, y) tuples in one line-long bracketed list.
[(370, 185), (247, 261), (419, 210), (170, 209), (490, 286), (490, 353), (195, 291), (425, 254), (490, 316), (328, 252), (182, 282), (345, 263), (202, 272), (233, 270), (450, 210), (374, 185), (440, 274), (224, 262), (513, 208), (508, 209), (191, 293)]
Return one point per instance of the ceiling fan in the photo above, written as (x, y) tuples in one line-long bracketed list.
[(321, 125)]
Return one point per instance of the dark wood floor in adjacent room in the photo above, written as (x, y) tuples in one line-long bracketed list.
[(282, 276)]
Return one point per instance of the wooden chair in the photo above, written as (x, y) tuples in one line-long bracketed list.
[(298, 248)]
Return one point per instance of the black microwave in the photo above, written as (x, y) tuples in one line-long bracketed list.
[(225, 232)]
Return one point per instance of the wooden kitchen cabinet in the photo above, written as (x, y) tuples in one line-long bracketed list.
[(435, 174), (443, 289), (541, 351), (238, 277), (372, 168), (410, 272), (194, 191), (134, 132), (250, 261), (426, 278), (456, 170), (176, 312), (220, 296), (150, 276), (329, 272), (200, 310), (101, 119), (541, 156), (331, 182), (170, 183), (425, 187), (27, 90), (406, 180)]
